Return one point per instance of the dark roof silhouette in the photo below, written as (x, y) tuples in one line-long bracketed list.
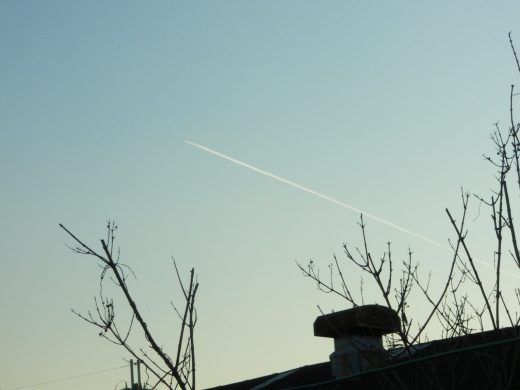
[(489, 368)]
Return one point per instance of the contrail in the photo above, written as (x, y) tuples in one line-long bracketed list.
[(332, 200)]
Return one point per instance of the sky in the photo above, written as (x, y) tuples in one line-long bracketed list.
[(386, 107)]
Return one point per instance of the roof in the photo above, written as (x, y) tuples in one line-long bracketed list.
[(481, 369), (315, 373)]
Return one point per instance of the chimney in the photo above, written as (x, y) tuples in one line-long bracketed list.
[(358, 337)]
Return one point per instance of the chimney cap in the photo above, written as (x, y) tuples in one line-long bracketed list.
[(368, 320)]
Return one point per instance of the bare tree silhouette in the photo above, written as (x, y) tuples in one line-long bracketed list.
[(458, 313), (172, 373)]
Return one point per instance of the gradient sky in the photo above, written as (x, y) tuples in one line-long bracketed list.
[(384, 106)]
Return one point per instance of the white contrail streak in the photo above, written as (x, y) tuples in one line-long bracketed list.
[(331, 200)]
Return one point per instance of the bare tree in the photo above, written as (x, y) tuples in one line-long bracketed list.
[(457, 313), (168, 371)]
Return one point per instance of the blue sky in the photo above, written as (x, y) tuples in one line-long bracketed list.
[(384, 106)]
